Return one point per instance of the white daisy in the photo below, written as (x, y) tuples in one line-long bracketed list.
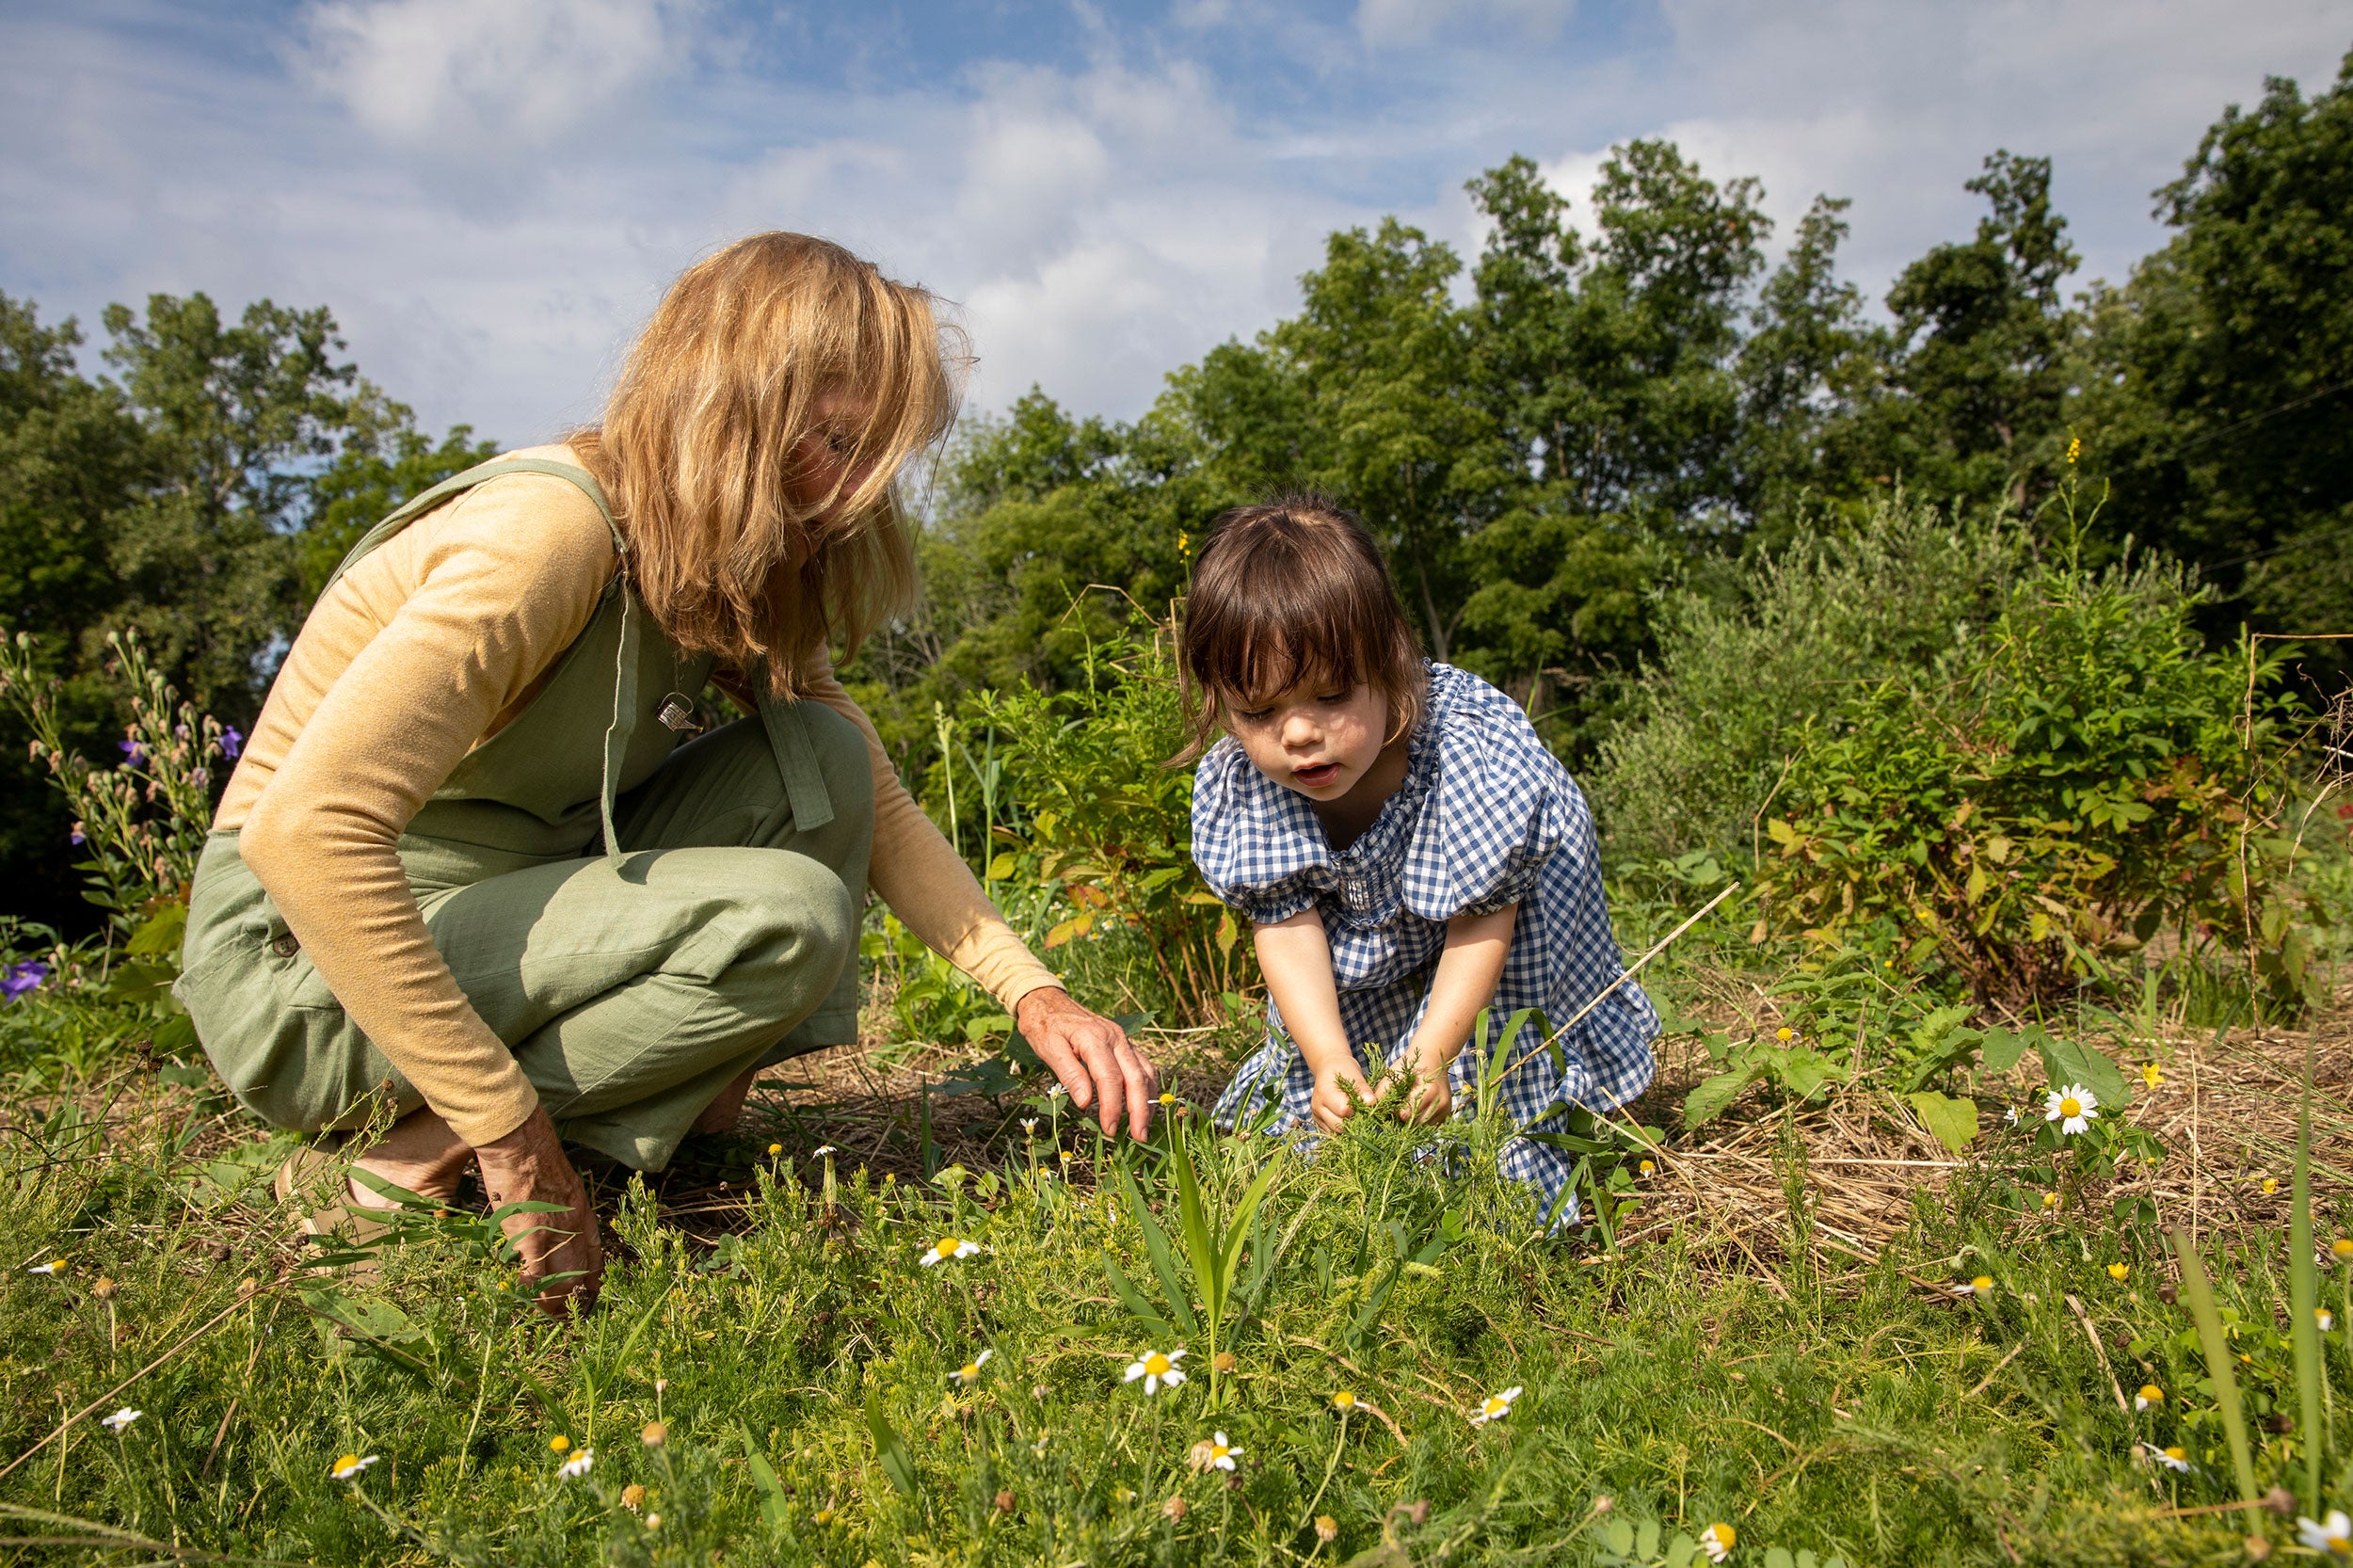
[(1221, 1454), (55, 1266), (2172, 1459), (1981, 1285), (1158, 1371), (1495, 1407), (821, 1150), (1029, 1124), (578, 1465), (2150, 1395), (2325, 1318), (1716, 1540), (949, 1247), (970, 1373), (2074, 1108), (349, 1466), (2332, 1537), (2011, 1115), (120, 1419)]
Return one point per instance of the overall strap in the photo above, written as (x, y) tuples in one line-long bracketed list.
[(424, 501), (625, 661)]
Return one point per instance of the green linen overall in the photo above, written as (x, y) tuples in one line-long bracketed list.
[(719, 929)]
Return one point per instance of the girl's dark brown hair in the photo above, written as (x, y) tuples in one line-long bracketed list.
[(1288, 591)]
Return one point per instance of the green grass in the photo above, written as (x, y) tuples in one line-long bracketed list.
[(1871, 1413)]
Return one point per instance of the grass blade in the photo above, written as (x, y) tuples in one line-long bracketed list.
[(2304, 1296), (774, 1506), (1155, 1250), (891, 1449), (1133, 1299), (1200, 1249), (2199, 1298)]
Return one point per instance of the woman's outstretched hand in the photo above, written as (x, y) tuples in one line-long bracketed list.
[(1091, 1055), (528, 1166)]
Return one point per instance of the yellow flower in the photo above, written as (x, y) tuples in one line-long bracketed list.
[(1167, 1098), (2151, 1075), (776, 1148), (2341, 1249), (2074, 449), (1646, 1168), (2118, 1272), (1343, 1401), (2271, 1185), (559, 1443), (2149, 1394), (1783, 1034), (2050, 1200)]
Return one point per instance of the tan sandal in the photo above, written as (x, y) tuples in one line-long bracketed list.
[(338, 1222)]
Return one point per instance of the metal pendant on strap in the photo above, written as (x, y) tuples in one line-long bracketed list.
[(678, 713)]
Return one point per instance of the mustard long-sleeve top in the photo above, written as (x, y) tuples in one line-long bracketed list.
[(428, 647)]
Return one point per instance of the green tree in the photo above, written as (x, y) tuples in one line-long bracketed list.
[(187, 498), (1982, 350), (2218, 379)]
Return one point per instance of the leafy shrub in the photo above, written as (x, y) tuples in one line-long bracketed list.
[(2063, 789), (1109, 825), (1708, 720)]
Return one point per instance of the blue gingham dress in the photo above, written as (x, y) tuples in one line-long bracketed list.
[(1485, 817)]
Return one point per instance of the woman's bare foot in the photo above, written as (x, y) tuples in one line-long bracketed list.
[(420, 1153), (727, 1107)]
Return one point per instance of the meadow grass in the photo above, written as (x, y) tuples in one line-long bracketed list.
[(801, 1366)]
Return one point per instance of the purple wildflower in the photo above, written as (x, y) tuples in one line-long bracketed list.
[(231, 742), (133, 754), (79, 835), (21, 978)]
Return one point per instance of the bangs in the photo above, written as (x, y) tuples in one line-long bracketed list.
[(1288, 594)]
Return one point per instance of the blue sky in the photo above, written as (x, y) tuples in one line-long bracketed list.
[(490, 194)]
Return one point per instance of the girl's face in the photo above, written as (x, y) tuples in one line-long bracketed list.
[(1317, 740)]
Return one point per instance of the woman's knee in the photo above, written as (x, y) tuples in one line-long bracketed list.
[(797, 928)]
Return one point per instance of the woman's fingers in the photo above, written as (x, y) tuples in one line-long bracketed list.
[(1093, 1058), (528, 1166)]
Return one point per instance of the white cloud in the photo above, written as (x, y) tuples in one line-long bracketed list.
[(466, 76), (1391, 22), (1099, 222)]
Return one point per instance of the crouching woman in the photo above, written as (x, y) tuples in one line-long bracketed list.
[(488, 855)]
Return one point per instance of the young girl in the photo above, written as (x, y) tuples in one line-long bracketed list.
[(1405, 849)]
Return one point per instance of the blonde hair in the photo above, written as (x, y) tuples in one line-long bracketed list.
[(713, 421)]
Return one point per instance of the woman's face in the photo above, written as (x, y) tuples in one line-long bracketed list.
[(1315, 740), (822, 459)]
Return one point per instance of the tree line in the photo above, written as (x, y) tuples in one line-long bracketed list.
[(1550, 439)]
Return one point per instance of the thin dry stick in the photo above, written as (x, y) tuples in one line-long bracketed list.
[(2101, 1351), (1606, 991), (1986, 1382), (193, 1335)]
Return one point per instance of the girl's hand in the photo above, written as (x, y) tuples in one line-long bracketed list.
[(1330, 1104), (1431, 1101)]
